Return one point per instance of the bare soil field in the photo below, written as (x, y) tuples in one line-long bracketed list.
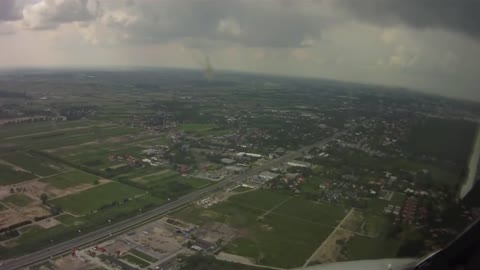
[(9, 217), (212, 232), (48, 223), (73, 263), (331, 249), (33, 211), (33, 189), (158, 238)]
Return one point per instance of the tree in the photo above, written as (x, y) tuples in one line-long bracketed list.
[(44, 198)]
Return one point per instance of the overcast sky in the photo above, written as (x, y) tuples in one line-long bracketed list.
[(432, 45)]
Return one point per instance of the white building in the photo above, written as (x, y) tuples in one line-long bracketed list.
[(301, 164)]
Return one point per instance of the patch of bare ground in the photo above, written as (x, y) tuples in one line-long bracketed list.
[(9, 217), (48, 223), (214, 232), (33, 211), (73, 263), (33, 189), (331, 249)]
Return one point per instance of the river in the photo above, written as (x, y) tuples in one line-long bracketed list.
[(472, 167)]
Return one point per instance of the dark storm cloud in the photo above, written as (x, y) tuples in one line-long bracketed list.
[(9, 10), (250, 23), (452, 15)]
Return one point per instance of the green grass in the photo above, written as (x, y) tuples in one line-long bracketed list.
[(70, 179), (30, 233), (44, 126), (58, 139), (241, 189), (3, 207), (170, 184), (143, 256), (135, 260), (33, 163), (284, 238), (18, 200), (322, 213), (398, 198), (199, 262), (70, 220), (260, 199), (90, 200), (196, 127), (9, 176), (363, 248), (375, 225)]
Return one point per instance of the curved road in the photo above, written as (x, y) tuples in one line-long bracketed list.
[(121, 226)]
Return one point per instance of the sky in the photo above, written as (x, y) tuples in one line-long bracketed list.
[(427, 45)]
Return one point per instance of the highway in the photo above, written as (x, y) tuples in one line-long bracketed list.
[(108, 231)]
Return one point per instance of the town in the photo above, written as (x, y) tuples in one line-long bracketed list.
[(270, 172)]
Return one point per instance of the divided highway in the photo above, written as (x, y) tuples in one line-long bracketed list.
[(106, 232)]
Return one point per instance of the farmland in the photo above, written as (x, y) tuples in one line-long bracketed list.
[(92, 199), (18, 200), (9, 175), (70, 179), (277, 236), (35, 164)]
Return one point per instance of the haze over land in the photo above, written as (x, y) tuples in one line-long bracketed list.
[(427, 45)]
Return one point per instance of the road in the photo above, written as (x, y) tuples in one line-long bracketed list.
[(122, 226)]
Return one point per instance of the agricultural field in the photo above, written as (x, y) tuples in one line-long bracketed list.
[(70, 179), (275, 235), (169, 184), (92, 199), (10, 175), (19, 200), (20, 130), (363, 248), (36, 164), (56, 139)]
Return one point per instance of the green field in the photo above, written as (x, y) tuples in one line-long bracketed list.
[(322, 213), (199, 262), (33, 163), (143, 256), (398, 198), (169, 184), (70, 179), (3, 207), (9, 175), (41, 127), (97, 156), (56, 139), (135, 260), (69, 220), (90, 200), (260, 199), (18, 200), (363, 248), (283, 238), (196, 127)]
